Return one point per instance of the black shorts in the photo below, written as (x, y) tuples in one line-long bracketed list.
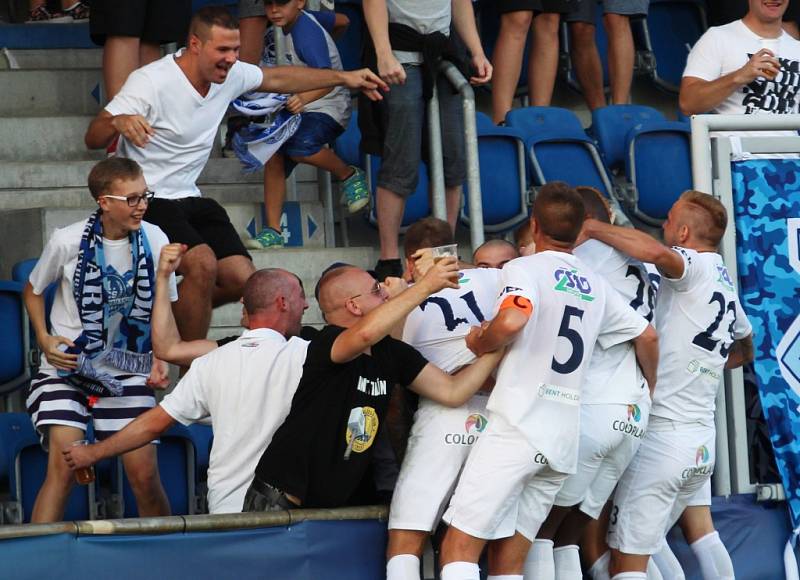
[(194, 221), (548, 6), (154, 21)]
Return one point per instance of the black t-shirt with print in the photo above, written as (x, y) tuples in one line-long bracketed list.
[(323, 449)]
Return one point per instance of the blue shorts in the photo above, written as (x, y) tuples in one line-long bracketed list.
[(315, 131)]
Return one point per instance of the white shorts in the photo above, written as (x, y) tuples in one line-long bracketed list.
[(610, 436), (673, 463), (438, 446), (507, 486), (702, 497)]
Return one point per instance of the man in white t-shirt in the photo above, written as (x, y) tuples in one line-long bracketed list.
[(749, 66), (167, 117), (97, 351), (702, 330), (441, 437), (244, 387), (552, 310)]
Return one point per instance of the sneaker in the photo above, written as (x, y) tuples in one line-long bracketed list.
[(266, 240), (79, 12), (354, 191), (41, 15)]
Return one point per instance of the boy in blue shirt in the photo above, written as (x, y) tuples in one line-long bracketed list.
[(324, 114)]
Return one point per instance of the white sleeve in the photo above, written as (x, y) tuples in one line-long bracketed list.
[(248, 76), (620, 322), (515, 281), (157, 240), (136, 97), (50, 266), (186, 403), (704, 60), (690, 259), (742, 327)]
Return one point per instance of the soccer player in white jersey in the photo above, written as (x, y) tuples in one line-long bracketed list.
[(615, 405), (441, 437), (552, 310), (703, 330)]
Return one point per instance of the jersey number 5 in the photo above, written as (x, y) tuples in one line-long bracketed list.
[(575, 339), (705, 339)]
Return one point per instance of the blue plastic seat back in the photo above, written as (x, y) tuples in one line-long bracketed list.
[(501, 155), (173, 461), (611, 125), (203, 436), (418, 204), (13, 363), (674, 27), (572, 163), (21, 272), (347, 144), (350, 44), (14, 427), (545, 123), (660, 160)]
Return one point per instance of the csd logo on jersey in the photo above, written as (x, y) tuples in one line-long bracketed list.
[(473, 427), (571, 282), (701, 464)]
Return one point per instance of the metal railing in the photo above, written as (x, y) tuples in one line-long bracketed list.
[(711, 170)]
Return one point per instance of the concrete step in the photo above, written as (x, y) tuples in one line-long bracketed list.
[(65, 58), (45, 138), (50, 92)]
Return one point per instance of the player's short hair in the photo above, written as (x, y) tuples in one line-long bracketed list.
[(714, 216), (497, 242), (522, 235), (559, 211), (595, 203), (104, 174), (427, 233), (208, 16), (263, 287)]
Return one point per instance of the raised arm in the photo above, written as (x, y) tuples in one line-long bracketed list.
[(646, 347), (296, 79), (380, 322), (637, 245), (503, 329), (741, 352), (141, 431), (455, 390), (167, 342), (700, 96)]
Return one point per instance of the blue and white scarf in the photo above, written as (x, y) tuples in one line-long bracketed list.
[(257, 142), (132, 351)]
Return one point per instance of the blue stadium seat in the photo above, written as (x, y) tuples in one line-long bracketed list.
[(504, 182), (347, 145), (418, 204), (673, 27), (177, 466), (659, 168), (558, 148), (26, 466), (350, 44), (15, 368), (610, 126)]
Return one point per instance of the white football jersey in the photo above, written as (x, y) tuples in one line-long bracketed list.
[(613, 375), (698, 316), (437, 327), (539, 381)]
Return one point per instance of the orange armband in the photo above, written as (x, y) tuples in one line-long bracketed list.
[(518, 303)]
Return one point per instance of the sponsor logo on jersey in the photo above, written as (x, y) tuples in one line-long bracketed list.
[(473, 427), (540, 459), (572, 282), (634, 413), (362, 425), (510, 290), (249, 344), (701, 464), (724, 277), (630, 427), (462, 279), (370, 387), (696, 368), (559, 394)]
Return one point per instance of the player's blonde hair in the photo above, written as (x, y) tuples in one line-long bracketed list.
[(713, 214)]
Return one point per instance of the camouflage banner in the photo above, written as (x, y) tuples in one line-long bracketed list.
[(766, 197)]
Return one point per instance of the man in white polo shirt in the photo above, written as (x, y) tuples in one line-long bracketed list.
[(245, 387), (167, 117)]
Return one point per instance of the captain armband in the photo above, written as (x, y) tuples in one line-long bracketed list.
[(518, 303)]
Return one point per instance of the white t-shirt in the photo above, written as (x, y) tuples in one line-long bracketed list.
[(424, 16), (437, 328), (697, 318), (539, 381), (246, 388), (724, 49), (185, 123), (613, 375), (58, 262)]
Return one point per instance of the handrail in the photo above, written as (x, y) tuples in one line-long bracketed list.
[(194, 523)]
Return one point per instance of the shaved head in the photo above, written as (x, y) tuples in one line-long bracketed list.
[(264, 287), (494, 254)]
